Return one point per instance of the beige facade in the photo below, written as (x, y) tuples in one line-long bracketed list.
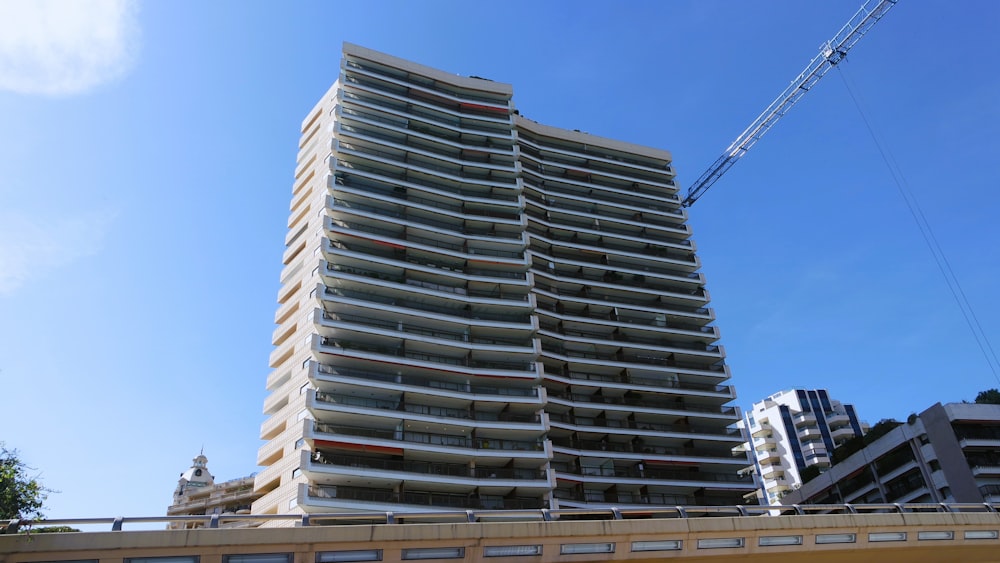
[(912, 537), (480, 311)]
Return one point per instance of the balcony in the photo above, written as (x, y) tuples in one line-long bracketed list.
[(337, 496), (620, 340), (804, 419), (395, 100), (651, 472), (427, 385), (400, 351), (644, 450), (614, 317), (628, 381), (472, 193), (443, 443), (476, 316), (340, 468), (644, 401), (583, 423), (347, 322), (498, 214), (347, 407)]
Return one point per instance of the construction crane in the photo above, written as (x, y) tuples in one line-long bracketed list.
[(831, 53)]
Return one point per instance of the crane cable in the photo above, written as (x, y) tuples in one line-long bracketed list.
[(944, 266)]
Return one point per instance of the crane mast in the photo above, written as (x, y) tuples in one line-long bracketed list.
[(831, 53)]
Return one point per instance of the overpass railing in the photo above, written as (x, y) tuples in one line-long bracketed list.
[(544, 515)]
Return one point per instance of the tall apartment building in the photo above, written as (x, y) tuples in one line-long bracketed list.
[(480, 311), (792, 430), (948, 453)]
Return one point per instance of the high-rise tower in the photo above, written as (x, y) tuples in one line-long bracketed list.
[(480, 311)]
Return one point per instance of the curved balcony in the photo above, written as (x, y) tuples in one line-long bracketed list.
[(619, 339), (477, 192), (401, 406), (642, 450), (623, 357), (465, 286), (479, 315), (498, 102), (423, 358), (429, 385), (587, 158), (589, 235), (646, 186), (428, 122), (673, 220), (402, 236), (464, 338), (630, 221), (341, 494), (399, 438), (588, 423), (442, 469), (628, 381), (343, 210), (651, 472), (497, 213), (615, 317)]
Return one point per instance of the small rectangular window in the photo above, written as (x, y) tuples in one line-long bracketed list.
[(569, 548), (662, 545), (716, 543), (936, 535), (346, 556), (511, 550), (258, 558), (779, 540), (433, 553), (167, 559), (982, 534), (836, 538)]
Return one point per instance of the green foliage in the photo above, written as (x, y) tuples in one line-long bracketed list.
[(21, 496), (49, 530), (988, 397), (854, 445), (809, 473)]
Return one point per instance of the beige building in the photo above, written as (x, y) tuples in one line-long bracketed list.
[(198, 494), (480, 311), (646, 536)]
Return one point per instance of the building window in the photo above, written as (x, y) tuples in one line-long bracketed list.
[(716, 543), (570, 548), (168, 559), (511, 550), (662, 545), (835, 538), (934, 464), (258, 558), (433, 553), (345, 556)]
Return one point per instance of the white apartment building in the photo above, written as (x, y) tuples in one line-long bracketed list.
[(480, 311), (792, 430)]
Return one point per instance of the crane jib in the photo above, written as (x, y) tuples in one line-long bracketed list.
[(832, 52)]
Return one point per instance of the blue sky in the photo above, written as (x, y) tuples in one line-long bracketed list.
[(143, 201)]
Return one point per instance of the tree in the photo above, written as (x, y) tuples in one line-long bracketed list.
[(988, 397), (21, 496)]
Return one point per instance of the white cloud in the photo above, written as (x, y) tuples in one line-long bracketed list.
[(63, 47), (31, 246)]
